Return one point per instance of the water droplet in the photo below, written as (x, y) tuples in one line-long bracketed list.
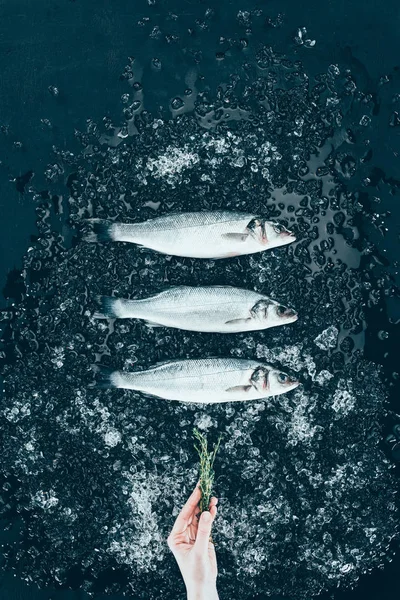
[(365, 120), (54, 91), (394, 119), (177, 103)]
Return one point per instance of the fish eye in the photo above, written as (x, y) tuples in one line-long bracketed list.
[(281, 310), (283, 378), (278, 228)]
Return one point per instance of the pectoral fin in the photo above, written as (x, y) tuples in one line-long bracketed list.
[(237, 321), (235, 237), (152, 324), (239, 388)]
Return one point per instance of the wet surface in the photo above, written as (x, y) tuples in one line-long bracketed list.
[(303, 133)]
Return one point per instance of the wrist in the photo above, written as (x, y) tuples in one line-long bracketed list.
[(203, 593)]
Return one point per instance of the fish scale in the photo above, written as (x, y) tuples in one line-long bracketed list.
[(212, 234), (203, 380), (221, 309)]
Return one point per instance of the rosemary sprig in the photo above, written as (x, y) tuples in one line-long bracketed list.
[(207, 473)]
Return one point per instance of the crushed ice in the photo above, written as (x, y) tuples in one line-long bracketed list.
[(306, 504), (328, 338)]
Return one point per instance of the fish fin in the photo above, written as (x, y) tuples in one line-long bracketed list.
[(239, 388), (237, 237), (104, 377), (107, 304), (100, 231), (237, 321), (162, 363), (152, 324)]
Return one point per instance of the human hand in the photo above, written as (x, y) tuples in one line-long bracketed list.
[(190, 543)]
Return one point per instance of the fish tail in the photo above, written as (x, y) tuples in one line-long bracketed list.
[(101, 230), (105, 377), (108, 308)]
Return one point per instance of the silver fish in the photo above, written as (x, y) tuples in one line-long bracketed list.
[(219, 309), (218, 234), (204, 381)]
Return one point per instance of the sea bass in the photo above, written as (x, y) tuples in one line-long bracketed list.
[(218, 234), (204, 381), (219, 309)]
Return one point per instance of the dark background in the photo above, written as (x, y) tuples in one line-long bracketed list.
[(82, 46)]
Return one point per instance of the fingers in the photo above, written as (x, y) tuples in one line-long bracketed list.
[(213, 501), (213, 507), (184, 517), (204, 529), (199, 529)]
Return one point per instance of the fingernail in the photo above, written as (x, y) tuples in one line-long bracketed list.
[(206, 516)]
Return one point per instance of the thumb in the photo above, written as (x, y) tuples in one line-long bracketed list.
[(203, 531)]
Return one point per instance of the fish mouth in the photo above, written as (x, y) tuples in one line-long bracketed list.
[(292, 384), (286, 232), (292, 318), (290, 315), (287, 237)]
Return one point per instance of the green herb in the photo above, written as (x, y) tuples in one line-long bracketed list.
[(206, 468)]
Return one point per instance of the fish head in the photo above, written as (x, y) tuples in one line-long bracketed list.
[(280, 382), (259, 379), (276, 234), (271, 313)]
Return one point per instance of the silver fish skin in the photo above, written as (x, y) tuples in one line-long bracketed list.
[(203, 381), (218, 309), (217, 234)]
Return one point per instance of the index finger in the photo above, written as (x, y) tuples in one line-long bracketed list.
[(182, 520)]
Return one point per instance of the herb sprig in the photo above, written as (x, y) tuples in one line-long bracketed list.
[(207, 473)]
